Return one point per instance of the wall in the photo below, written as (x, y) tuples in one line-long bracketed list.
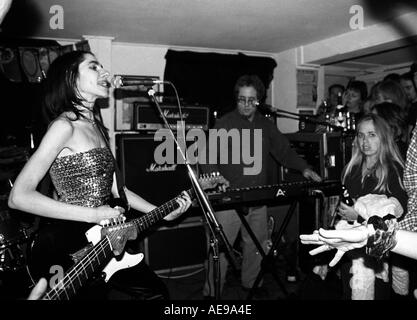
[(284, 90)]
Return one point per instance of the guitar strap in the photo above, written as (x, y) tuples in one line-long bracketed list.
[(119, 178)]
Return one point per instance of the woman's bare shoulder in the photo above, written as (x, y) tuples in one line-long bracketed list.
[(60, 130), (64, 122)]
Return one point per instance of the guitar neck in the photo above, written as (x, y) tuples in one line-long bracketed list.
[(144, 222), (78, 275)]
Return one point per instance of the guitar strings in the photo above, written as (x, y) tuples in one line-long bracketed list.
[(147, 220), (62, 286), (87, 261)]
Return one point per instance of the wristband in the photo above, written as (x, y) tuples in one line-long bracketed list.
[(383, 240)]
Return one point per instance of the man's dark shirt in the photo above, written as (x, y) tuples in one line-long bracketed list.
[(273, 142)]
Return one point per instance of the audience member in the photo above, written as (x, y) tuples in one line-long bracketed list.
[(410, 89), (375, 169), (396, 119), (390, 91), (355, 97)]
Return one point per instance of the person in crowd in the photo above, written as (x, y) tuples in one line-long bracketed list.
[(76, 153), (410, 89), (396, 119), (355, 97), (392, 77), (249, 92), (375, 169), (328, 106), (370, 100), (390, 91), (395, 240)]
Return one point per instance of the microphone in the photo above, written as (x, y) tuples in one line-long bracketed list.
[(119, 81)]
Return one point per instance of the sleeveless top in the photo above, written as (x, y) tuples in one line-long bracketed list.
[(84, 178)]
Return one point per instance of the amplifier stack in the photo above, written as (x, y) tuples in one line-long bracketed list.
[(143, 116)]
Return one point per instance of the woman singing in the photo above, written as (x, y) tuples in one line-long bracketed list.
[(75, 153)]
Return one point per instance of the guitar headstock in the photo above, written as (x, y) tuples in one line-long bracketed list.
[(212, 180), (118, 232)]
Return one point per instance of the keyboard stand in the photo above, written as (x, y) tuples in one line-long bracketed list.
[(268, 260)]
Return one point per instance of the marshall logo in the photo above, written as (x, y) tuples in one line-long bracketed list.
[(174, 115), (161, 167), (280, 193)]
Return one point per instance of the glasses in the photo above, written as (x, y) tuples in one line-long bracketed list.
[(250, 101)]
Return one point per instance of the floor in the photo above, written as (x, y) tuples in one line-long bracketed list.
[(188, 285)]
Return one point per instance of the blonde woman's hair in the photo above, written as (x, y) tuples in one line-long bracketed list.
[(388, 155)]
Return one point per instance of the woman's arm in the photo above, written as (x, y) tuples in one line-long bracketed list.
[(24, 195), (357, 237), (141, 205), (406, 244)]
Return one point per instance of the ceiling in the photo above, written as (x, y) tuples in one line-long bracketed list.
[(259, 26), (246, 25)]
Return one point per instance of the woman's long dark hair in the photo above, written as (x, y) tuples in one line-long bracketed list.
[(60, 88)]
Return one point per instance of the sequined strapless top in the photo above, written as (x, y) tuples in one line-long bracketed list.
[(84, 178)]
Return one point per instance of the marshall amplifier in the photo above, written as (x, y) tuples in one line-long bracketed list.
[(147, 117), (145, 176)]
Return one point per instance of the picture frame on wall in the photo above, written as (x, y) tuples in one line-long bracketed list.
[(306, 88)]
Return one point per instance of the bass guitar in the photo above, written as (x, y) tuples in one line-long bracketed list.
[(104, 241)]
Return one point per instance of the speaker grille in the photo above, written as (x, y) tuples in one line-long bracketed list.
[(155, 183)]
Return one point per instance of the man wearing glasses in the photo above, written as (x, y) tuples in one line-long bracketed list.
[(249, 90)]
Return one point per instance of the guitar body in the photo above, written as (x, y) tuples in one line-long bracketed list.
[(126, 260), (54, 247)]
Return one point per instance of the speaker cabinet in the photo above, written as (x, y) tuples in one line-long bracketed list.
[(175, 245), (176, 248), (157, 183)]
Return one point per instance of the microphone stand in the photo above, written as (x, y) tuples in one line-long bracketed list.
[(304, 117), (206, 207)]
